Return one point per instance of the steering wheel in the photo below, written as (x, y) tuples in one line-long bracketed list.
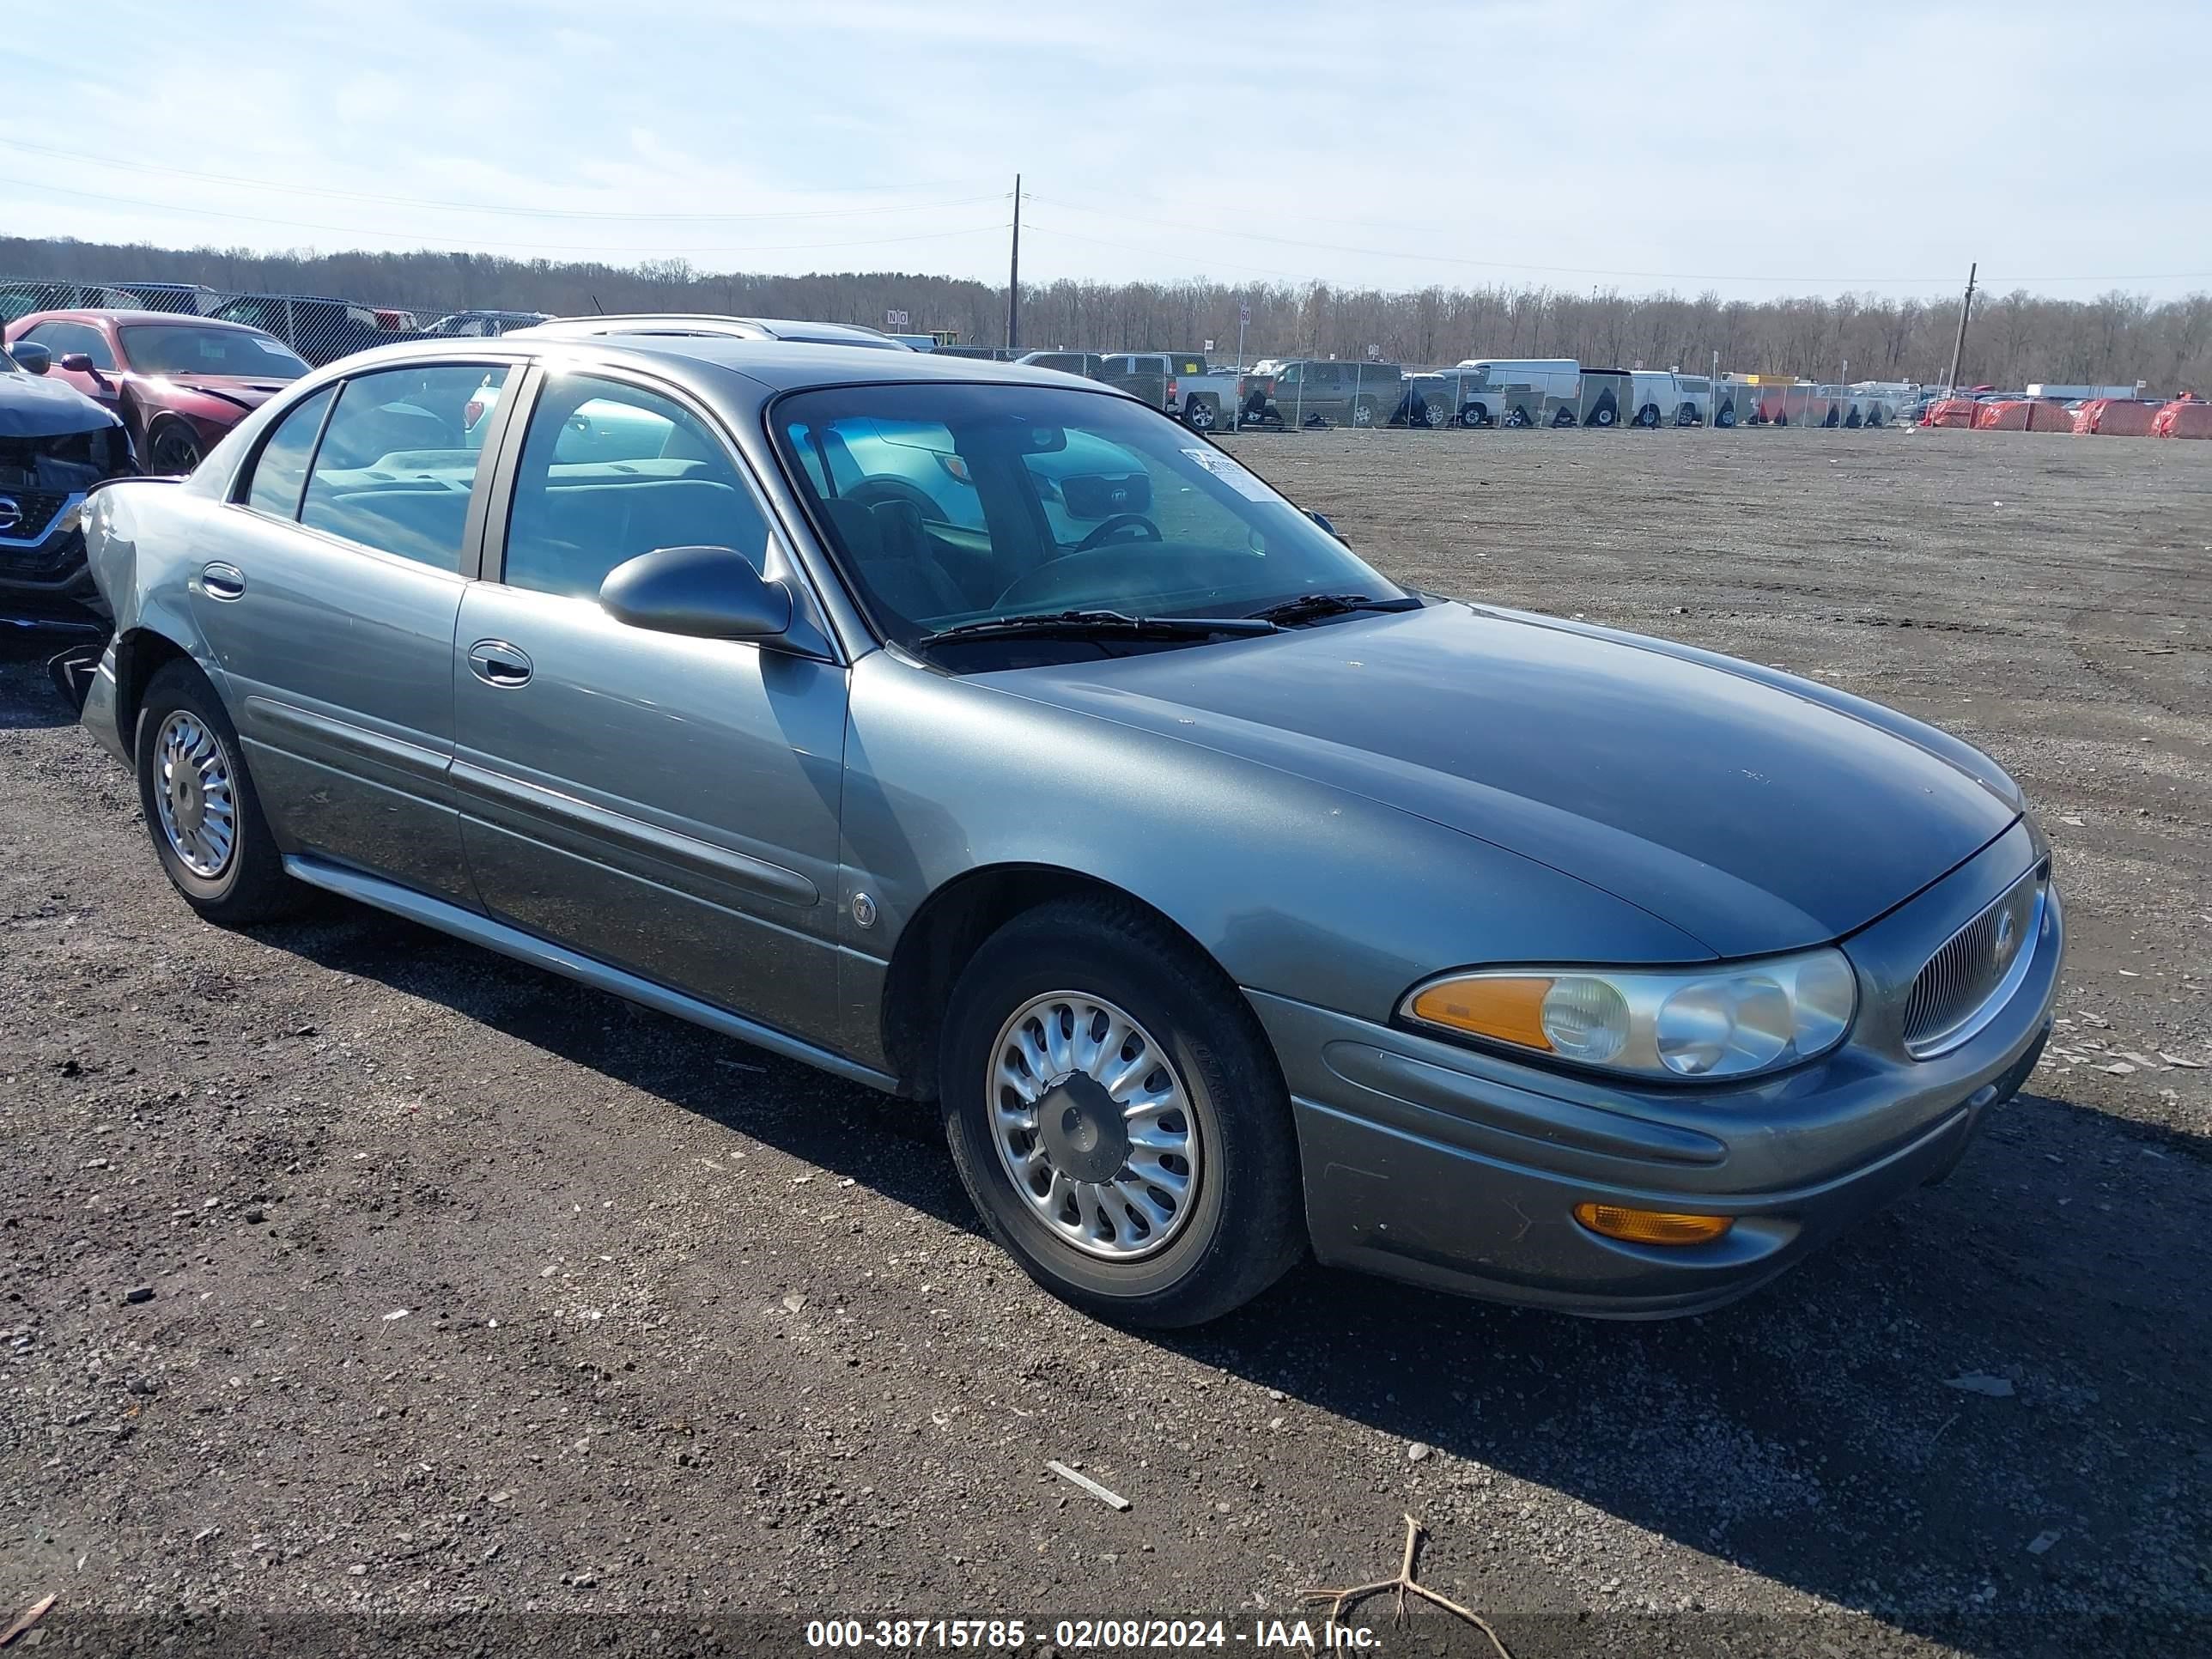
[(1114, 525)]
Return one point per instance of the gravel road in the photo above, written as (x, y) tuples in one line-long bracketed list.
[(355, 1275)]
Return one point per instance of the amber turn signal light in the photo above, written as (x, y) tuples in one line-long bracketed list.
[(1652, 1226)]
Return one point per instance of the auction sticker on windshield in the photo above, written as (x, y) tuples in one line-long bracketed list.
[(1231, 472)]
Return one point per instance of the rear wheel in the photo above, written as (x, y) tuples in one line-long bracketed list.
[(1118, 1118), (1516, 416), (1726, 418), (1648, 416), (1476, 415), (1200, 414), (1363, 413), (200, 806)]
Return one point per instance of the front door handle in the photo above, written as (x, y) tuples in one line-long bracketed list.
[(222, 581), (497, 663)]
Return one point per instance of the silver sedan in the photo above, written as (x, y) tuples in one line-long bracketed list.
[(984, 736)]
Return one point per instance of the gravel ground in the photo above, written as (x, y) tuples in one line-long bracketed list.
[(350, 1272)]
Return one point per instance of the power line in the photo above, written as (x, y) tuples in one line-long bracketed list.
[(475, 243), (128, 165)]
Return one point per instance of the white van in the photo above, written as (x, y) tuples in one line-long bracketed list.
[(1515, 390), (1662, 397)]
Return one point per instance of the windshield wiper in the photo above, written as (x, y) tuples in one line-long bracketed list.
[(1084, 624), (1311, 607)]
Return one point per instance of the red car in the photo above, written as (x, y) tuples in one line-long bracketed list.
[(178, 383)]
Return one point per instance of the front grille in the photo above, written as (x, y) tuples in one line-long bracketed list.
[(35, 510), (1976, 970)]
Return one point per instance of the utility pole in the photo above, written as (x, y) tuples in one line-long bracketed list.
[(1959, 346), (1014, 275)]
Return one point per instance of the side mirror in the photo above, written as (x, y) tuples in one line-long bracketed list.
[(1319, 519), (77, 362), (31, 357), (707, 593)]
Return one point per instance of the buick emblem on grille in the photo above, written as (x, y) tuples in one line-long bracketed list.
[(11, 513)]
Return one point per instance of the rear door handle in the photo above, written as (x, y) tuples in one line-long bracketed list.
[(222, 581), (497, 663)]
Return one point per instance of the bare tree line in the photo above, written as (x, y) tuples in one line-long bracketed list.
[(2016, 337)]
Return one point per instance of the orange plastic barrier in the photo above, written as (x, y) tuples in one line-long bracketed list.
[(2185, 417), (2113, 418), (1951, 411)]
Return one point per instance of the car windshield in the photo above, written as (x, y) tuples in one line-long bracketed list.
[(183, 349), (951, 503)]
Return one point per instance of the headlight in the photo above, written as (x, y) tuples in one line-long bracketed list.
[(1708, 1021)]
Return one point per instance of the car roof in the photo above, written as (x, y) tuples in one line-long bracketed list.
[(726, 363), (711, 324), (116, 314)]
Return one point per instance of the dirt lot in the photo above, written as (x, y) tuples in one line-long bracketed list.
[(475, 1294)]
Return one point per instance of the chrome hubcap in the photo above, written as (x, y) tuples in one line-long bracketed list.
[(1093, 1125), (192, 792)]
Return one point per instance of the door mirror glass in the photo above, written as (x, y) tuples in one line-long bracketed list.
[(707, 592), (31, 357)]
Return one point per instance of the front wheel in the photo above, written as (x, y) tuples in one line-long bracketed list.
[(1515, 416), (1648, 416), (1363, 413), (172, 449), (1118, 1118), (1726, 418), (200, 806)]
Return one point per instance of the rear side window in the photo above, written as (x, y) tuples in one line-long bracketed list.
[(281, 466), (610, 472), (399, 460)]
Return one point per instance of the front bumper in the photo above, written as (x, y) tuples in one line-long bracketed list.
[(44, 582), (1435, 1164)]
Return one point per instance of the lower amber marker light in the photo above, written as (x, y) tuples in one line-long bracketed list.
[(1652, 1226)]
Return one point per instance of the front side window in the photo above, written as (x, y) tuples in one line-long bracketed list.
[(396, 467), (62, 338), (610, 472), (281, 466), (188, 348), (947, 504)]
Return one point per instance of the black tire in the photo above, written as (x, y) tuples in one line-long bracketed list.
[(1365, 413), (1474, 414), (1648, 416), (1200, 414), (1516, 417), (172, 449), (1688, 415), (1244, 1227), (1726, 418), (250, 884)]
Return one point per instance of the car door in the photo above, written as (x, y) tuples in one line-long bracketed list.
[(328, 593), (666, 803)]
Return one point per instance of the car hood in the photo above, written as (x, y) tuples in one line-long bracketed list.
[(219, 395), (1754, 812), (33, 406)]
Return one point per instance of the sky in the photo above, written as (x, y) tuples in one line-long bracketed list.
[(1751, 149)]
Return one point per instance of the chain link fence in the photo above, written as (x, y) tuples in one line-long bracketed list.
[(1270, 393), (320, 328)]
